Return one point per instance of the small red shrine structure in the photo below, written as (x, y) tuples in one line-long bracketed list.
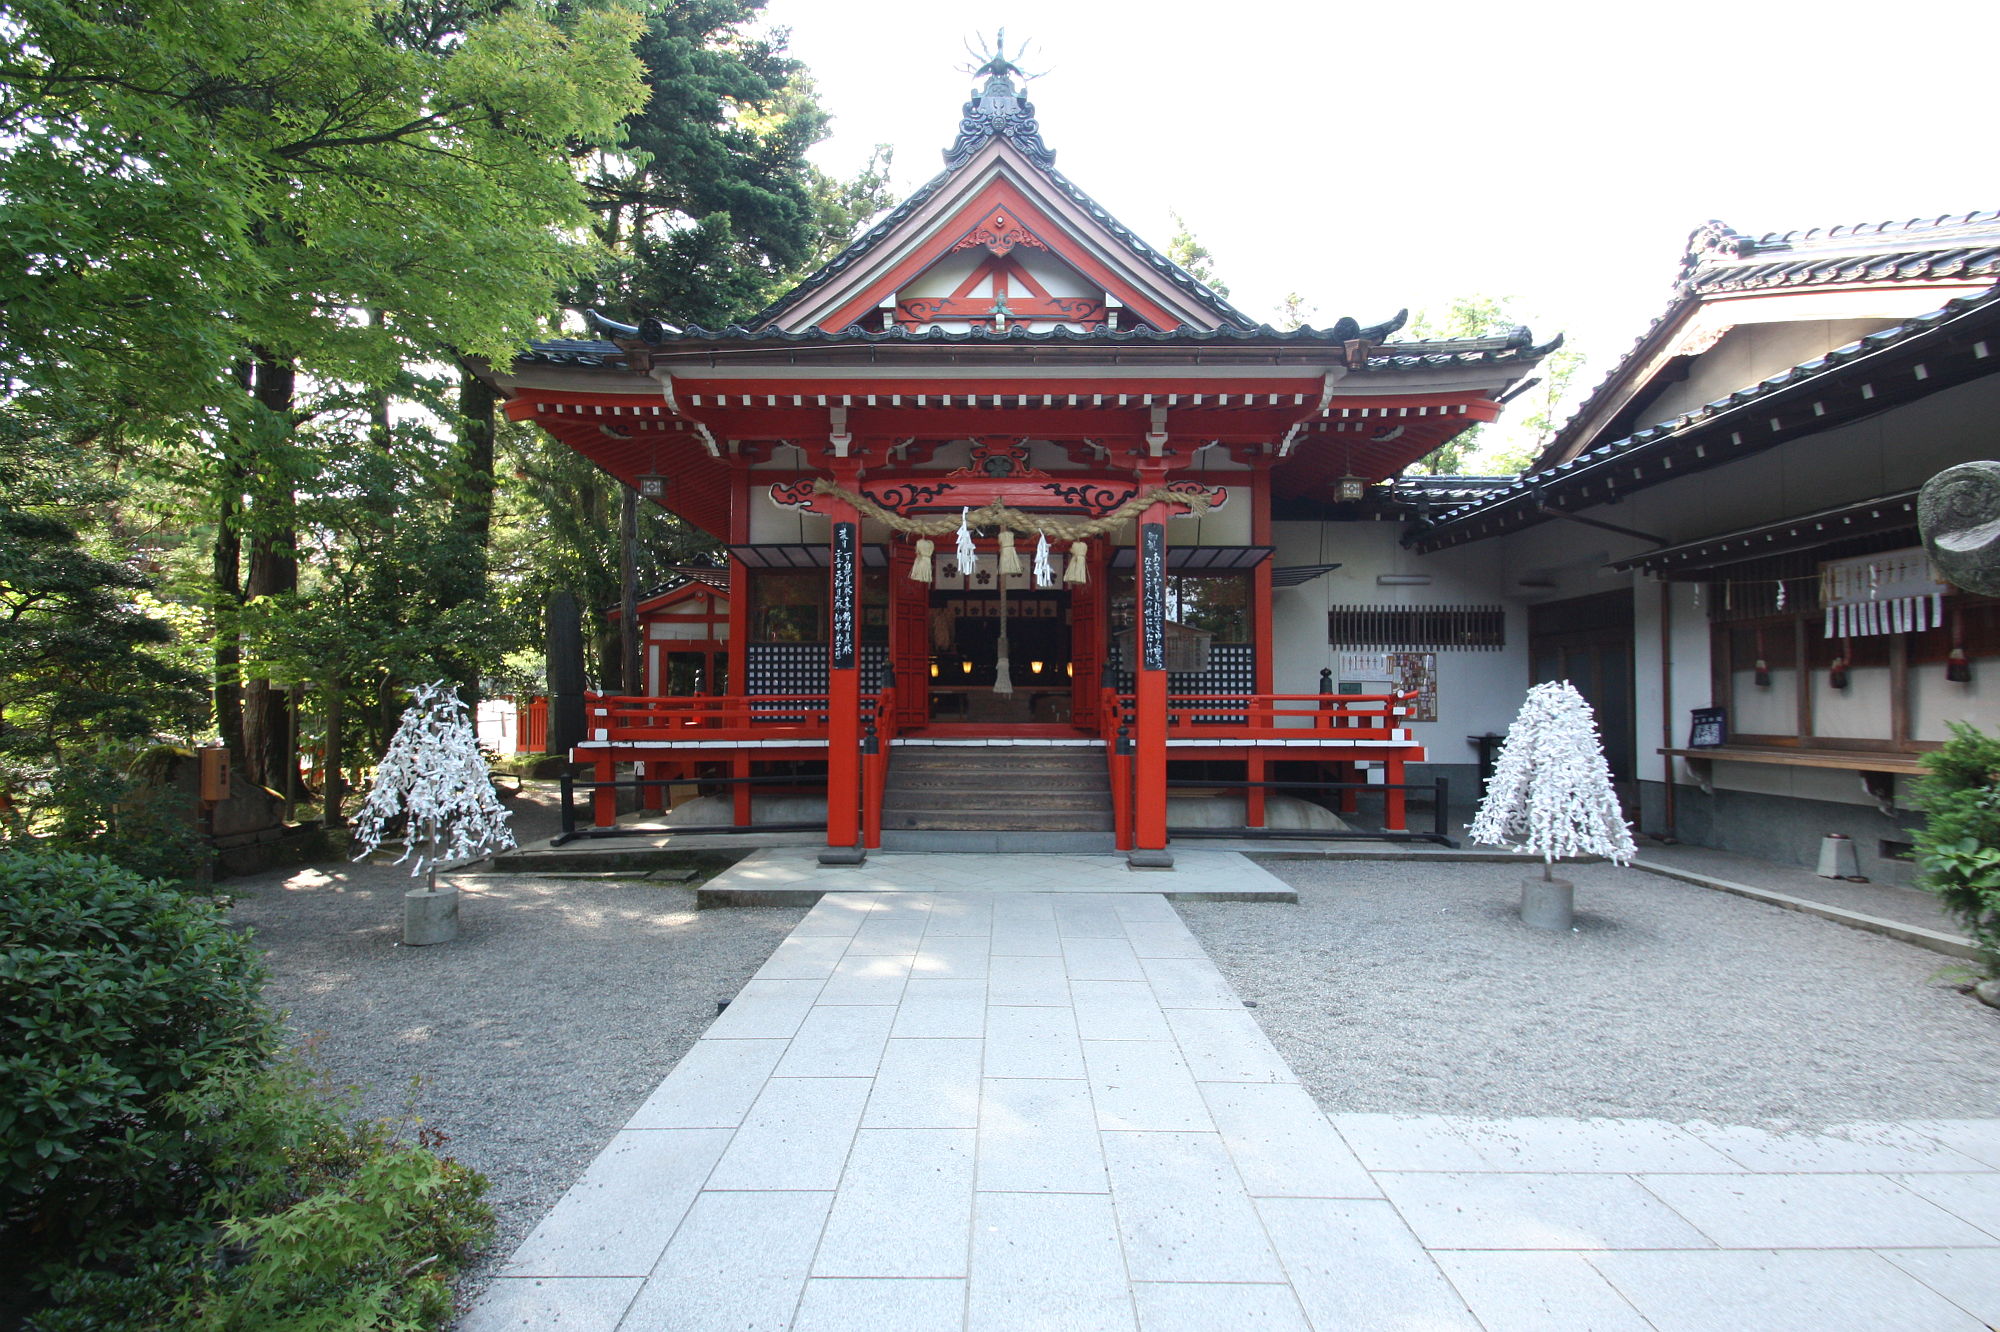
[(1000, 349)]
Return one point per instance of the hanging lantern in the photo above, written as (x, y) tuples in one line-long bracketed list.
[(650, 485), (1035, 666), (934, 670), (1350, 488)]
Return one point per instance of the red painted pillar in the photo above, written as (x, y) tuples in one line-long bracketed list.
[(843, 671), (738, 647), (1149, 824), (1261, 628)]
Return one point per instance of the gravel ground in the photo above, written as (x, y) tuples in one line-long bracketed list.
[(534, 1036), (1397, 989)]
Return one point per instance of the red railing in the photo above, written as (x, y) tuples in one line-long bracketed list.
[(1253, 717), (876, 742), (1113, 710), (531, 730), (716, 717)]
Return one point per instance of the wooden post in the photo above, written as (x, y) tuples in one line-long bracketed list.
[(843, 675), (1149, 688)]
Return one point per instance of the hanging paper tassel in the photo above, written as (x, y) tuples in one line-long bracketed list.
[(1078, 571), (968, 554), (1045, 574), (1781, 594), (920, 568), (1829, 623), (1010, 563)]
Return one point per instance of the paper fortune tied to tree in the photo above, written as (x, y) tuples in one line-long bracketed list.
[(435, 775), (1551, 791)]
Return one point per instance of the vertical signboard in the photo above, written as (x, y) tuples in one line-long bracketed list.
[(1153, 594), (843, 596)]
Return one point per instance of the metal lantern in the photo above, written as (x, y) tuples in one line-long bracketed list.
[(652, 486), (1350, 488)]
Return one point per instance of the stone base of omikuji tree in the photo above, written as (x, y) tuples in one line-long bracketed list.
[(430, 917), (1548, 904)]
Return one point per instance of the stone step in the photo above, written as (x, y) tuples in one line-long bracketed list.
[(996, 758), (997, 820), (996, 781), (1033, 799), (1041, 842)]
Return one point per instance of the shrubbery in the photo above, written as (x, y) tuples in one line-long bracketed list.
[(1958, 847), (161, 1166), (117, 996)]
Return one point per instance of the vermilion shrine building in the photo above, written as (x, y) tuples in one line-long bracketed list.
[(999, 345)]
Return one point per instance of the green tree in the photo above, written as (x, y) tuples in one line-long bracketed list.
[(1193, 256), (202, 200), (1507, 445), (1295, 311)]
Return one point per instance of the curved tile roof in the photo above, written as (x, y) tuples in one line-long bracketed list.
[(1516, 345), (1635, 444), (1720, 260)]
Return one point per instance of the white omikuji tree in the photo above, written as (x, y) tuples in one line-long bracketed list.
[(1551, 789), (436, 777)]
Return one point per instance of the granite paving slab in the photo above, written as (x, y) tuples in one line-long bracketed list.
[(998, 1109)]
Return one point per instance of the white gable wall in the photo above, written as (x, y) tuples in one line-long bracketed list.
[(1478, 691)]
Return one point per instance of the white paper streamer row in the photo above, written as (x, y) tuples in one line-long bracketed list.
[(1893, 615)]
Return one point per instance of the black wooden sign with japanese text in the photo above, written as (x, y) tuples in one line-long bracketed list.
[(1153, 579), (843, 596)]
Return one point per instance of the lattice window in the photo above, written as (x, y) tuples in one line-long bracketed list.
[(1436, 627)]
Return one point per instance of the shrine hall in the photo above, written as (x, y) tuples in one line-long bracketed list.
[(997, 486)]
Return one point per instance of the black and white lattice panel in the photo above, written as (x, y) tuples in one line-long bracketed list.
[(785, 668), (800, 668)]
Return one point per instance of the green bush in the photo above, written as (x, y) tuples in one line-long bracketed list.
[(118, 996), (1958, 848), (160, 1167), (314, 1223)]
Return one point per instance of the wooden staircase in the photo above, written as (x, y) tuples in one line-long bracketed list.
[(1053, 798)]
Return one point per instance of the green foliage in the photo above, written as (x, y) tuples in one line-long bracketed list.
[(1958, 848), (708, 203), (1193, 256), (1510, 444), (162, 1170), (312, 1223), (79, 659), (118, 997)]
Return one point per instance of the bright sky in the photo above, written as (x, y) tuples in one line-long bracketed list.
[(1375, 156)]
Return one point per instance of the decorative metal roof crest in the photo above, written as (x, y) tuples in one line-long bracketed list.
[(998, 109)]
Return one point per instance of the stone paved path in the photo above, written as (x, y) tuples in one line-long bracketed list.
[(1027, 1110)]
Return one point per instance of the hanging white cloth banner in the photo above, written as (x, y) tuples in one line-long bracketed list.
[(968, 554), (1045, 573), (1895, 592)]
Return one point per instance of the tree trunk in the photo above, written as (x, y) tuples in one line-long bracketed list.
[(226, 574), (333, 788), (472, 501), (274, 571), (477, 404)]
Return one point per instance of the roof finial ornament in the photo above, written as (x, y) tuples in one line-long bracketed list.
[(997, 108)]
